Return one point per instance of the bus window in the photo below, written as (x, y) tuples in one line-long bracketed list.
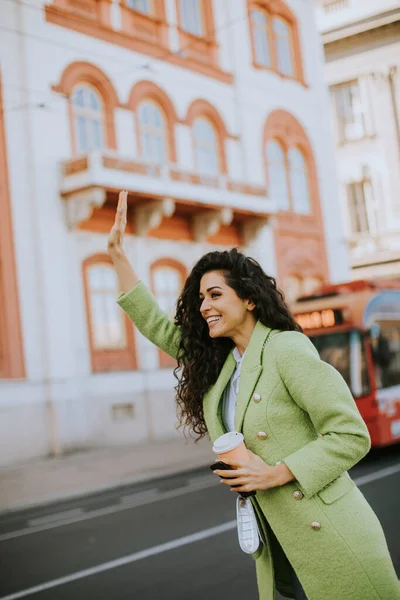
[(346, 353), (388, 368)]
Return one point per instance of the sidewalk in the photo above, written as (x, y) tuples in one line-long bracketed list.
[(44, 480)]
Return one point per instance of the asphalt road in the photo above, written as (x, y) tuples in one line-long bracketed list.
[(173, 538)]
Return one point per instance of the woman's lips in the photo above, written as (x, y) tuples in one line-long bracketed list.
[(212, 323)]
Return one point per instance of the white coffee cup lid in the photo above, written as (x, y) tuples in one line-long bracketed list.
[(227, 442)]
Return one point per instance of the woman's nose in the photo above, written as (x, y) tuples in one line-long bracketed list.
[(204, 306)]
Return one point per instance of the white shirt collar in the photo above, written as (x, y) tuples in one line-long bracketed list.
[(237, 356)]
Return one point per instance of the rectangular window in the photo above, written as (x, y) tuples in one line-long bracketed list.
[(191, 17), (358, 194), (283, 46), (262, 54), (387, 355), (143, 6), (349, 111)]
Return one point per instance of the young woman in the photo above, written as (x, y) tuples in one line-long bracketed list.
[(299, 420)]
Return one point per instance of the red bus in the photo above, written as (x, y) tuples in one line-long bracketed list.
[(355, 327)]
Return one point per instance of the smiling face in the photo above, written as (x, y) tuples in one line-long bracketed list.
[(227, 315)]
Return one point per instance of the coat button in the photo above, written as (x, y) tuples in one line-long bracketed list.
[(262, 435), (298, 495), (256, 397), (316, 526)]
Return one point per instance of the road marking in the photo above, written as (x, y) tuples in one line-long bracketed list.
[(125, 560), (150, 496), (377, 475), (126, 502), (55, 517)]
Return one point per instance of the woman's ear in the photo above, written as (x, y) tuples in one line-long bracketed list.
[(250, 305)]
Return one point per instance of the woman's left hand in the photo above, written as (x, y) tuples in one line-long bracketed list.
[(254, 474)]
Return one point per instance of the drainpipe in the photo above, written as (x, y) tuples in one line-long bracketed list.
[(34, 212)]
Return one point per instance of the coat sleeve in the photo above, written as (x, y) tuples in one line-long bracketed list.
[(320, 390), (142, 308)]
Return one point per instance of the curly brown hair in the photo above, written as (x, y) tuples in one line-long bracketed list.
[(200, 357)]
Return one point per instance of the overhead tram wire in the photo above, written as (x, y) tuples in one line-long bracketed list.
[(131, 69)]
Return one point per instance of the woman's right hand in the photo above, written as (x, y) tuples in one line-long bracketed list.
[(116, 235)]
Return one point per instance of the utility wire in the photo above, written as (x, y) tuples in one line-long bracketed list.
[(130, 70)]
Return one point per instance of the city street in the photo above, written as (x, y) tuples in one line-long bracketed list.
[(173, 538)]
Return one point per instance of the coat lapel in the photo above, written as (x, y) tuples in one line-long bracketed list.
[(212, 405), (251, 371)]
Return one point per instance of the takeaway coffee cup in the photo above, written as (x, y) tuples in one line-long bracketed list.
[(231, 445)]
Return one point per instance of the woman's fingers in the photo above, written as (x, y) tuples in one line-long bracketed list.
[(230, 474), (232, 462), (118, 229), (120, 216), (235, 482)]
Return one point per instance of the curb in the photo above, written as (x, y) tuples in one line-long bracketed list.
[(156, 475)]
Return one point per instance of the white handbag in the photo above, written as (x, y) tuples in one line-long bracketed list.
[(248, 531)]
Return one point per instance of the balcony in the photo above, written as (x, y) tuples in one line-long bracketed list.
[(163, 197), (338, 19)]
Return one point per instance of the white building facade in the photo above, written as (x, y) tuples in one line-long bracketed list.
[(362, 51), (214, 116)]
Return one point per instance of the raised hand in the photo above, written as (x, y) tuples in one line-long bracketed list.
[(116, 235)]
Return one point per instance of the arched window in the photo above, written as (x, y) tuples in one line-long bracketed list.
[(277, 175), (293, 153), (191, 16), (111, 338), (153, 132), (205, 146), (167, 277), (299, 186), (283, 46), (88, 116), (259, 24), (167, 286)]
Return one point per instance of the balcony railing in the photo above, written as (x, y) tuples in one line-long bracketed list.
[(331, 6), (157, 190), (107, 160)]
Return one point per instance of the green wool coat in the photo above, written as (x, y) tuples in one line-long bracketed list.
[(321, 521)]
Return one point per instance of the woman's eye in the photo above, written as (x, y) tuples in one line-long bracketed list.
[(215, 295)]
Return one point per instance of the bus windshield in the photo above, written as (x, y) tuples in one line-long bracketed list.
[(345, 351)]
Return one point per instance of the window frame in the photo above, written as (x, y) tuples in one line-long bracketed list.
[(365, 187), (307, 180), (83, 73), (277, 9), (203, 109), (290, 41), (358, 112), (200, 52), (284, 149), (267, 31), (107, 359), (87, 113), (201, 20), (165, 360), (145, 90), (285, 128), (166, 136), (150, 12), (217, 147)]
